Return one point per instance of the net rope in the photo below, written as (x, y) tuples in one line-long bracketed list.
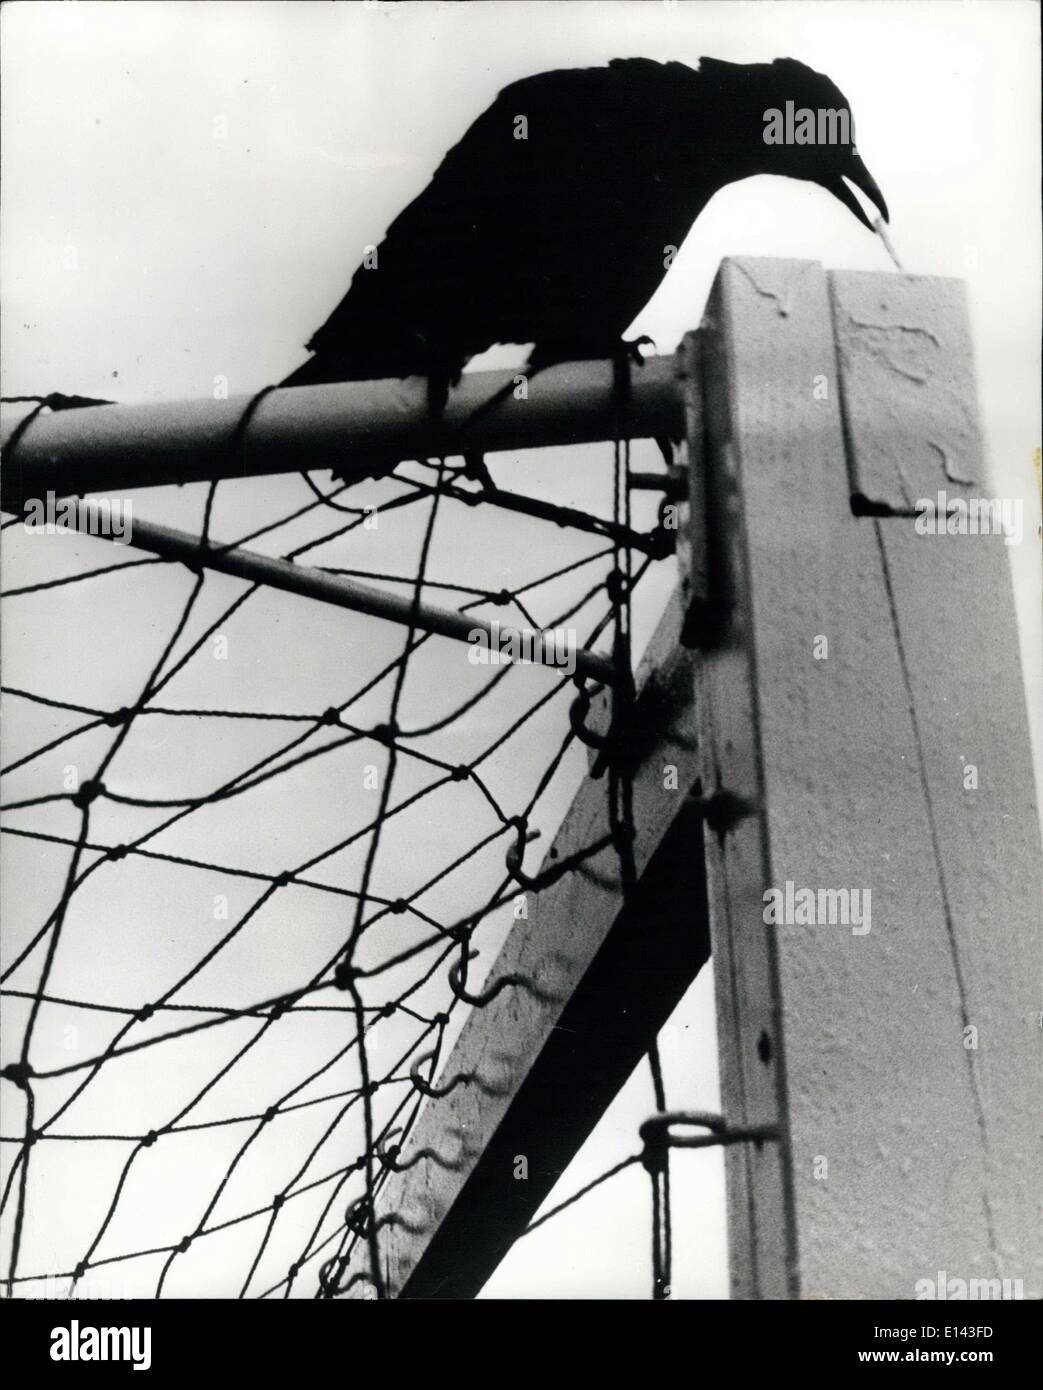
[(301, 1240)]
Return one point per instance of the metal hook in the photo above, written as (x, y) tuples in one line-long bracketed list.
[(329, 1285), (329, 1278), (578, 711), (355, 1216), (534, 884), (388, 1154), (358, 1214), (424, 1086), (514, 861), (613, 747), (487, 996), (656, 1137)]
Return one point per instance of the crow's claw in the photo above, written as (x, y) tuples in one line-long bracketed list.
[(631, 348)]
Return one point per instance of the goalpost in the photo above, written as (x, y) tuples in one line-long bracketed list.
[(800, 721)]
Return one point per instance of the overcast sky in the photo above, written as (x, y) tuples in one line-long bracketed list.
[(186, 192)]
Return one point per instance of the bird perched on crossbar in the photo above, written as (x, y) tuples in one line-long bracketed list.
[(553, 220)]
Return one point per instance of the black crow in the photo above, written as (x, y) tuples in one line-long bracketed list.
[(554, 219)]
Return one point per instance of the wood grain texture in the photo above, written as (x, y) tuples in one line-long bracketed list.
[(901, 1156)]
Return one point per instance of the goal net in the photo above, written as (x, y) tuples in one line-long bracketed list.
[(256, 848)]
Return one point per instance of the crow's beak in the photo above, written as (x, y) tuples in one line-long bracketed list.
[(859, 175)]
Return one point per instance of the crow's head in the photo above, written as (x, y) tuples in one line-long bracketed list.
[(809, 133)]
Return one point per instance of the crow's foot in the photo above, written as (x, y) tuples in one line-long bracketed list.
[(630, 348)]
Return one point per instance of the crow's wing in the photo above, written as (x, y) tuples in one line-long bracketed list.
[(549, 221)]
